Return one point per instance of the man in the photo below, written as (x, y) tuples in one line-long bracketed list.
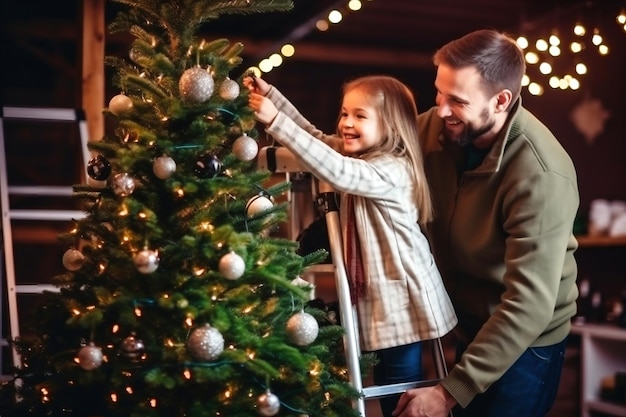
[(505, 196)]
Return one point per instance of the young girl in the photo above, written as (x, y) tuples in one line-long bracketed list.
[(376, 164)]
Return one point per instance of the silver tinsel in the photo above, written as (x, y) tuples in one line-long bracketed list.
[(120, 104), (268, 404), (229, 89), (302, 328), (123, 185), (73, 259), (196, 85), (245, 148), (163, 167), (146, 261), (205, 343), (90, 357), (232, 266)]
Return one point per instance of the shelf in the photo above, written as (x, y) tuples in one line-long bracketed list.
[(585, 241), (607, 408), (600, 331)]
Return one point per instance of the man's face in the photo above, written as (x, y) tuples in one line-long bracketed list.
[(467, 112)]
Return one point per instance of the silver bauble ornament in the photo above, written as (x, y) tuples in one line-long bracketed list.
[(232, 266), (258, 204), (268, 404), (205, 343), (163, 167), (229, 89), (196, 85), (146, 261), (133, 348), (302, 328), (245, 148), (120, 104), (123, 184), (73, 259), (90, 357)]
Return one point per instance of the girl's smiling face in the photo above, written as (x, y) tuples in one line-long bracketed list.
[(359, 123)]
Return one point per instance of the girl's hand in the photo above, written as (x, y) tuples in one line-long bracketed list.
[(264, 109), (256, 85)]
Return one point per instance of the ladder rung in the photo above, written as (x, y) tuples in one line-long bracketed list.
[(43, 113), (35, 288), (379, 391), (51, 190), (62, 215)]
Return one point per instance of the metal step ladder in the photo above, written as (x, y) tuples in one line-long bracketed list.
[(25, 117), (280, 160)]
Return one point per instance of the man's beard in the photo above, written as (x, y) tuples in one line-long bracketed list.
[(470, 134)]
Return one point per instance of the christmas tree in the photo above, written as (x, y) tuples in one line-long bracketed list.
[(177, 300)]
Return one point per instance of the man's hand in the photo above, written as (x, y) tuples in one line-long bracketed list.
[(264, 109), (425, 402)]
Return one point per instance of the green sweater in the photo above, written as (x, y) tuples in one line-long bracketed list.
[(503, 241)]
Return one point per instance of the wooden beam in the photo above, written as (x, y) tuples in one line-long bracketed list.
[(93, 83)]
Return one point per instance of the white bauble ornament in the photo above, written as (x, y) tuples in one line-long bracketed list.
[(258, 204), (232, 266), (73, 259), (229, 89), (90, 357), (146, 261), (302, 328), (245, 148), (205, 343), (268, 404), (163, 167), (196, 85), (120, 104), (123, 185)]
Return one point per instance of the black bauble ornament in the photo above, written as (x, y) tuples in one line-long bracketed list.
[(99, 168), (208, 166)]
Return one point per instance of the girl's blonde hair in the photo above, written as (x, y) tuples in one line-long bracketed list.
[(397, 112)]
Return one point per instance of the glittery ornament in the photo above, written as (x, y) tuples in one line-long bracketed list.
[(258, 204), (196, 85), (90, 357), (268, 404), (146, 261), (232, 266), (205, 343), (99, 168), (133, 348), (163, 167), (208, 166), (302, 328), (120, 104), (123, 185), (229, 89), (245, 148), (73, 259)]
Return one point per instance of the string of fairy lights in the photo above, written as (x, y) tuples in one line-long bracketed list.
[(555, 59), (561, 58)]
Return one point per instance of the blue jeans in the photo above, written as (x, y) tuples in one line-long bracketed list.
[(527, 389), (397, 364)]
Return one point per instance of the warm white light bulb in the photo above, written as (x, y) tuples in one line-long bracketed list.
[(576, 47), (581, 68), (531, 57), (522, 42), (535, 89), (554, 50), (545, 68), (579, 29), (335, 16), (541, 45), (603, 49)]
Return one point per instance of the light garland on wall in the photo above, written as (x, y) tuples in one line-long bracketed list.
[(323, 23), (561, 58)]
